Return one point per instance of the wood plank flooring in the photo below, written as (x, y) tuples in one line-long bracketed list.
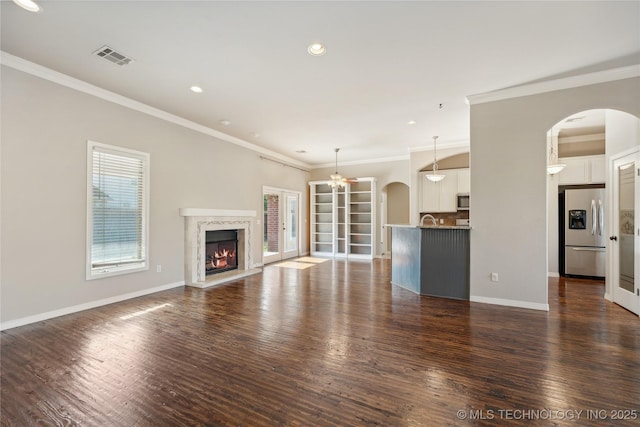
[(333, 344)]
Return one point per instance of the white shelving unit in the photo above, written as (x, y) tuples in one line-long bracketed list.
[(343, 219)]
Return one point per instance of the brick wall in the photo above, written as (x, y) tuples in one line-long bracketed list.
[(273, 222)]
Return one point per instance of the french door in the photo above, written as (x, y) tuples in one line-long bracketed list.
[(625, 238), (281, 229)]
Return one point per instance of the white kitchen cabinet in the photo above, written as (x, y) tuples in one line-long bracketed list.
[(430, 195), (439, 196), (449, 192), (582, 170), (598, 170), (464, 181)]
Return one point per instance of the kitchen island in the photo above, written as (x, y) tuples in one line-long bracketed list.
[(431, 260)]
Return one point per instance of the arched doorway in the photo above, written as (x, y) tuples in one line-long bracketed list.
[(594, 198), (395, 210)]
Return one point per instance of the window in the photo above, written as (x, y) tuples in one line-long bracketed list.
[(117, 210)]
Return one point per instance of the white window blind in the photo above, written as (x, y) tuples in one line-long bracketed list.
[(117, 223)]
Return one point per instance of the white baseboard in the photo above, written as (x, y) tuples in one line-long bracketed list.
[(86, 306), (553, 274), (510, 303)]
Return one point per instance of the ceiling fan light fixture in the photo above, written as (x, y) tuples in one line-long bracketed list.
[(336, 179), (29, 5)]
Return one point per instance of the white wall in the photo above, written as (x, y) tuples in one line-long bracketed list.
[(509, 186), (45, 128), (622, 131), (553, 262)]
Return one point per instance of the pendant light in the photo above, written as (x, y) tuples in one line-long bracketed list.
[(29, 5), (553, 166), (435, 176), (336, 179)]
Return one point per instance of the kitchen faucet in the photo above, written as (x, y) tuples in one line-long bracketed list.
[(433, 220)]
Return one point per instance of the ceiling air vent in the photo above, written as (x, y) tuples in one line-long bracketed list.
[(111, 55)]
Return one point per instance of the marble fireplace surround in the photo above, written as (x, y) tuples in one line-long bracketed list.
[(197, 223)]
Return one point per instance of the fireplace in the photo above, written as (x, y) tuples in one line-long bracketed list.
[(221, 251), (212, 259)]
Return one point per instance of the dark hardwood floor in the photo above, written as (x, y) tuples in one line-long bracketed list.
[(333, 344)]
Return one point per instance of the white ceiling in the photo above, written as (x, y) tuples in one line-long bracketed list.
[(386, 62)]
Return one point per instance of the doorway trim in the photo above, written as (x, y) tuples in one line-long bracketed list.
[(282, 215), (613, 262)]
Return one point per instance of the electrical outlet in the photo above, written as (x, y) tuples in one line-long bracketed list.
[(158, 268), (441, 220), (494, 277)]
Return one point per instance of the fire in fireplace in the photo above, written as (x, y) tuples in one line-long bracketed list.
[(221, 251)]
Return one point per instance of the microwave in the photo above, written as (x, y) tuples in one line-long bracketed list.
[(463, 201)]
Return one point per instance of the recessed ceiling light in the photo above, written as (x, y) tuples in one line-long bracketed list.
[(316, 49), (29, 5), (411, 122), (196, 89), (225, 122)]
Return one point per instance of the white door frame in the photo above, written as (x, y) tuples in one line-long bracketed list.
[(628, 300), (282, 254)]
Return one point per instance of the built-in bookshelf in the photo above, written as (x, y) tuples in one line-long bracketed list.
[(343, 219)]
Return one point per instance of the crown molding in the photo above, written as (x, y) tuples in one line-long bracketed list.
[(45, 73), (363, 162), (581, 138), (441, 146), (558, 84)]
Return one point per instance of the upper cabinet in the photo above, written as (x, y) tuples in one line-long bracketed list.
[(464, 181), (583, 170), (442, 196)]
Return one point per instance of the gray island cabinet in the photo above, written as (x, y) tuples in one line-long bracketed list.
[(431, 260)]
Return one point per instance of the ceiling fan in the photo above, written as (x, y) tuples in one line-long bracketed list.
[(336, 179)]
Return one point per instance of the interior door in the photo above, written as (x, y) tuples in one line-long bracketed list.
[(291, 227), (625, 240), (281, 224)]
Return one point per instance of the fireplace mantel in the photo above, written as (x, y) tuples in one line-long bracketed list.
[(197, 222), (216, 212)]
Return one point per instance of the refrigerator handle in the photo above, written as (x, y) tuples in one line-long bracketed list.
[(600, 218), (594, 217)]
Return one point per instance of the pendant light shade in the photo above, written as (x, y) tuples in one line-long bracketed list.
[(434, 176), (29, 5), (553, 166)]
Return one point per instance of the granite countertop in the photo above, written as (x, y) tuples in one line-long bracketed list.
[(442, 227), (446, 227)]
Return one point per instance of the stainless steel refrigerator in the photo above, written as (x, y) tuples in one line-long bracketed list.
[(584, 233)]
